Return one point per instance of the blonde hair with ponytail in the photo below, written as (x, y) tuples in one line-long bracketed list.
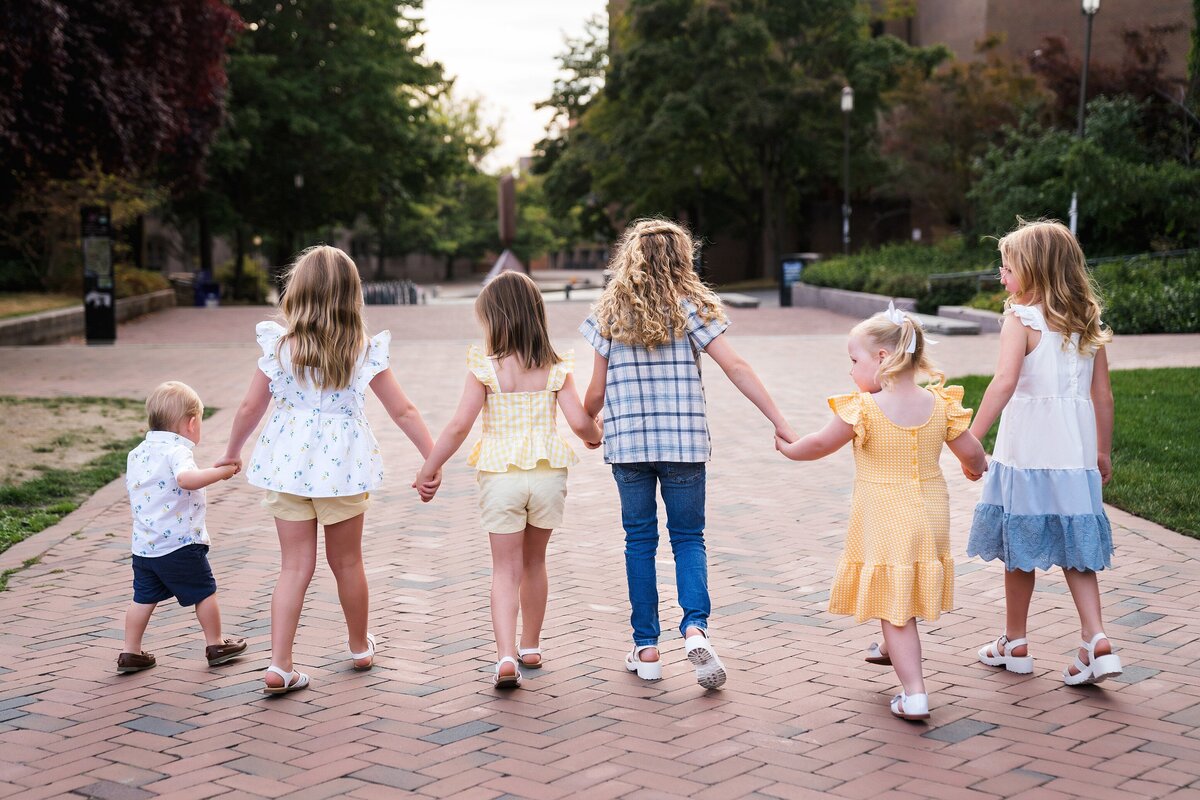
[(651, 278), (885, 334)]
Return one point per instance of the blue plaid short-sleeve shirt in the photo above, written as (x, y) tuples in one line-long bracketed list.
[(653, 399)]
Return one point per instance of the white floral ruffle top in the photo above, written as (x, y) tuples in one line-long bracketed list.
[(317, 442)]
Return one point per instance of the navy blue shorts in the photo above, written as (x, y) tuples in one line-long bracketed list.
[(183, 574)]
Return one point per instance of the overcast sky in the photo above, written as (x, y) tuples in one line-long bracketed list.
[(504, 50)]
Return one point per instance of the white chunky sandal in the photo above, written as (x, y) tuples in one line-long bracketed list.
[(710, 672), (1097, 667), (910, 706), (507, 681), (368, 653), (522, 652), (646, 670), (1022, 665), (292, 681)]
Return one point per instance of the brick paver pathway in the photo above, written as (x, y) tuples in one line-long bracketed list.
[(801, 715)]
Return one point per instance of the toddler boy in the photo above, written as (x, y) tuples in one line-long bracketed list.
[(170, 542)]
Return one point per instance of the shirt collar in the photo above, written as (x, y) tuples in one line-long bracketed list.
[(169, 437)]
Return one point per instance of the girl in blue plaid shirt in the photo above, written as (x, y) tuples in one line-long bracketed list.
[(649, 328)]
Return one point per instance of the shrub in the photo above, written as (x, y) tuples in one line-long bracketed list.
[(1149, 295), (989, 301), (253, 286), (131, 281)]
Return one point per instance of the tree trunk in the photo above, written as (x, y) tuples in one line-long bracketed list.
[(239, 256), (449, 268), (138, 241), (206, 264)]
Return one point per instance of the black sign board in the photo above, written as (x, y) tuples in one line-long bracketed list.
[(99, 296)]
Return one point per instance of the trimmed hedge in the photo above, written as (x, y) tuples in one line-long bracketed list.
[(1149, 295)]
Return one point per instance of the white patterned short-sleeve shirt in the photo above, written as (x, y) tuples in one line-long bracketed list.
[(653, 399), (316, 442), (165, 517)]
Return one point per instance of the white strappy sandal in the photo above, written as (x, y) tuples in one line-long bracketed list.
[(876, 655), (646, 670), (507, 681), (910, 706), (522, 652), (292, 681), (1097, 669), (368, 653), (1022, 665)]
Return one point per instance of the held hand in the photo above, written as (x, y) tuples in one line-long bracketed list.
[(781, 444), (427, 484), (599, 439), (785, 433), (228, 471), (230, 461), (1104, 464), (972, 476)]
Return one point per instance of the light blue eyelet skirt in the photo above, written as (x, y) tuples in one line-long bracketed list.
[(1042, 518)]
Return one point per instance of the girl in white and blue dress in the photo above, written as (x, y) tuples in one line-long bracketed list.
[(1041, 504), (316, 456)]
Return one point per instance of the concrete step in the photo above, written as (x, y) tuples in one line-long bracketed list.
[(989, 321), (946, 326), (738, 300)]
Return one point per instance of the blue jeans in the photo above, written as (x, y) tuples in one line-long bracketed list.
[(682, 486)]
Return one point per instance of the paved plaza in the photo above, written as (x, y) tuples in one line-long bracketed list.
[(801, 716)]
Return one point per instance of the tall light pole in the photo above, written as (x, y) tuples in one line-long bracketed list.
[(1090, 7), (847, 107)]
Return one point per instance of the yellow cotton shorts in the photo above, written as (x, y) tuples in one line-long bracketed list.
[(325, 510), (508, 501)]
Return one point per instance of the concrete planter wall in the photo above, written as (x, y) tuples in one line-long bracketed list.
[(989, 321), (54, 326), (843, 301)]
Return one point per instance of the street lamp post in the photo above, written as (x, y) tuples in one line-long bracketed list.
[(1090, 7), (847, 107)]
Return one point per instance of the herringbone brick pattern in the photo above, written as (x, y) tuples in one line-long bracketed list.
[(801, 716)]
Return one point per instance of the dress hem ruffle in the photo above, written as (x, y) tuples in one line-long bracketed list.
[(893, 593), (1027, 542)]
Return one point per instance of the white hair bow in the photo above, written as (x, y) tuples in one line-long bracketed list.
[(897, 317)]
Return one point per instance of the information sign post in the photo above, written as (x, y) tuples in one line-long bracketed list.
[(99, 297)]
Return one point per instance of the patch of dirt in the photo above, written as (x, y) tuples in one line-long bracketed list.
[(61, 433)]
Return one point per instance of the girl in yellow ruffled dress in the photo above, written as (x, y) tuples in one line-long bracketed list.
[(522, 461), (897, 564)]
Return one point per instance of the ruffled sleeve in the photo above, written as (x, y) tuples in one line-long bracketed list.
[(1030, 316), (481, 368), (849, 407), (560, 371), (268, 335), (377, 359), (958, 419)]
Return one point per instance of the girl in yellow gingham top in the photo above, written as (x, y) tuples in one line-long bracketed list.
[(897, 564), (521, 460)]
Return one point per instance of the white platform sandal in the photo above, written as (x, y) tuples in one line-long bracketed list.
[(1097, 669), (1021, 665), (710, 672), (910, 706), (292, 681), (368, 653), (507, 681), (646, 670), (522, 652)]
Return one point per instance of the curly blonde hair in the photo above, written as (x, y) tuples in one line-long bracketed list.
[(1048, 263), (651, 277), (322, 305), (887, 335)]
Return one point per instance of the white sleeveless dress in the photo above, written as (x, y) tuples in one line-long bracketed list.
[(1041, 503)]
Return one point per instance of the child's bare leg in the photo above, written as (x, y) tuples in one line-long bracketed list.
[(343, 551), (137, 617), (298, 560), (904, 647), (1085, 591), (535, 587), (507, 561), (1018, 593), (209, 615)]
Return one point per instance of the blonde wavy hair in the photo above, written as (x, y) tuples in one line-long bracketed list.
[(514, 320), (323, 310), (651, 277), (1048, 263), (887, 335)]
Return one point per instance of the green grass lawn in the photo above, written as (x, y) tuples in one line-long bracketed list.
[(18, 304), (1156, 444)]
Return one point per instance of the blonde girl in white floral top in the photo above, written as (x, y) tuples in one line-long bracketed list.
[(316, 456), (521, 459)]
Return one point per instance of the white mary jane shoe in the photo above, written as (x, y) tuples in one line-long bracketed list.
[(1097, 669), (910, 706)]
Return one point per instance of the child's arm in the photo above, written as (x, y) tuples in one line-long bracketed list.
[(1102, 399), (194, 479), (746, 380), (593, 398), (402, 411), (249, 413), (429, 476), (828, 440), (1004, 383), (970, 454), (583, 424)]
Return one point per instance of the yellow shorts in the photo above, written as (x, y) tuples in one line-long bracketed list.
[(325, 510), (508, 501)]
